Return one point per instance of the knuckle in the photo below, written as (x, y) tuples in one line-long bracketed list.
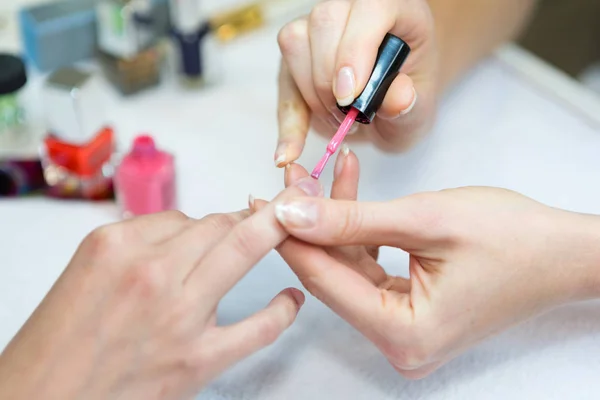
[(428, 212), (350, 224), (416, 349), (326, 14), (409, 357), (268, 331), (176, 215), (105, 239), (244, 242), (221, 222), (291, 35)]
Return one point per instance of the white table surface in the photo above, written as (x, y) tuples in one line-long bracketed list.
[(499, 127)]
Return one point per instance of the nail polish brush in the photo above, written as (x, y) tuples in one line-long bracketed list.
[(392, 54)]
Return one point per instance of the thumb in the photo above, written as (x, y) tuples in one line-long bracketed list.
[(404, 223)]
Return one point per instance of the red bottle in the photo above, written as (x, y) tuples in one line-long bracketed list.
[(145, 180), (79, 171), (77, 153)]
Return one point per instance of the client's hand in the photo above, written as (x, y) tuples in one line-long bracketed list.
[(133, 315), (481, 260)]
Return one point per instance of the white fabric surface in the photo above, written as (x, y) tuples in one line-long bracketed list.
[(495, 129)]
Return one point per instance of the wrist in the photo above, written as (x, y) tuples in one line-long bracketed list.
[(578, 259)]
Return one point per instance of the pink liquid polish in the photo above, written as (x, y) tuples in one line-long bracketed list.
[(392, 54), (145, 179), (336, 142)]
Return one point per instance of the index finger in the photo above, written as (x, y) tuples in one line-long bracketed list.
[(243, 247), (293, 117), (407, 223), (359, 46)]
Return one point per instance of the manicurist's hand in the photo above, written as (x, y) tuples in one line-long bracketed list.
[(133, 315), (481, 260), (328, 57)]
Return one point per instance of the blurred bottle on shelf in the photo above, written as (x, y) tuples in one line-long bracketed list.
[(77, 153)]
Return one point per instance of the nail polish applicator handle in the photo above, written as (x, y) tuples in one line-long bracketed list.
[(392, 54)]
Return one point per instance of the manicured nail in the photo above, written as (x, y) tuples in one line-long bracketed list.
[(281, 155), (345, 86), (297, 214), (341, 161), (298, 296), (251, 202), (412, 105), (310, 186)]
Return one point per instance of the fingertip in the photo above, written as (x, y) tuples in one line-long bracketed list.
[(289, 302), (258, 205), (294, 173), (400, 99), (288, 152), (298, 296)]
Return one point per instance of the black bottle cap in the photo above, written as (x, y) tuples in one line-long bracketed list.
[(392, 54), (13, 75)]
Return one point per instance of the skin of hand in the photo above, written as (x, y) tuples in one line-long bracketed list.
[(133, 316), (328, 57), (481, 261)]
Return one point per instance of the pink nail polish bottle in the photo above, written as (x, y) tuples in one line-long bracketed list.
[(145, 179)]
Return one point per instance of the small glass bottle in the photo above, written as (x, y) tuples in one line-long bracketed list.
[(145, 179), (130, 51), (192, 42), (13, 78), (229, 24), (21, 177), (77, 154)]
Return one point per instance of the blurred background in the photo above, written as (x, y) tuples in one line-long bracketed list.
[(567, 35), (62, 60)]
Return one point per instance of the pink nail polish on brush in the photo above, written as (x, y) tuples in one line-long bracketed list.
[(393, 52), (145, 179)]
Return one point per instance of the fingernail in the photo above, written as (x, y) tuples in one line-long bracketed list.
[(296, 214), (341, 161), (353, 129), (251, 202), (298, 296), (310, 186), (412, 105), (345, 86), (280, 155)]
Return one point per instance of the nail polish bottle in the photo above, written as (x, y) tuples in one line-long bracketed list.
[(145, 179), (21, 177), (58, 33), (13, 78), (229, 24), (61, 33), (129, 44), (78, 151), (191, 39)]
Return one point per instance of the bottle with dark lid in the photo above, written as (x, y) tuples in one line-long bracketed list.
[(392, 54), (13, 77)]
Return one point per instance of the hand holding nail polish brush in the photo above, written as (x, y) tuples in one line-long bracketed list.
[(392, 54)]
